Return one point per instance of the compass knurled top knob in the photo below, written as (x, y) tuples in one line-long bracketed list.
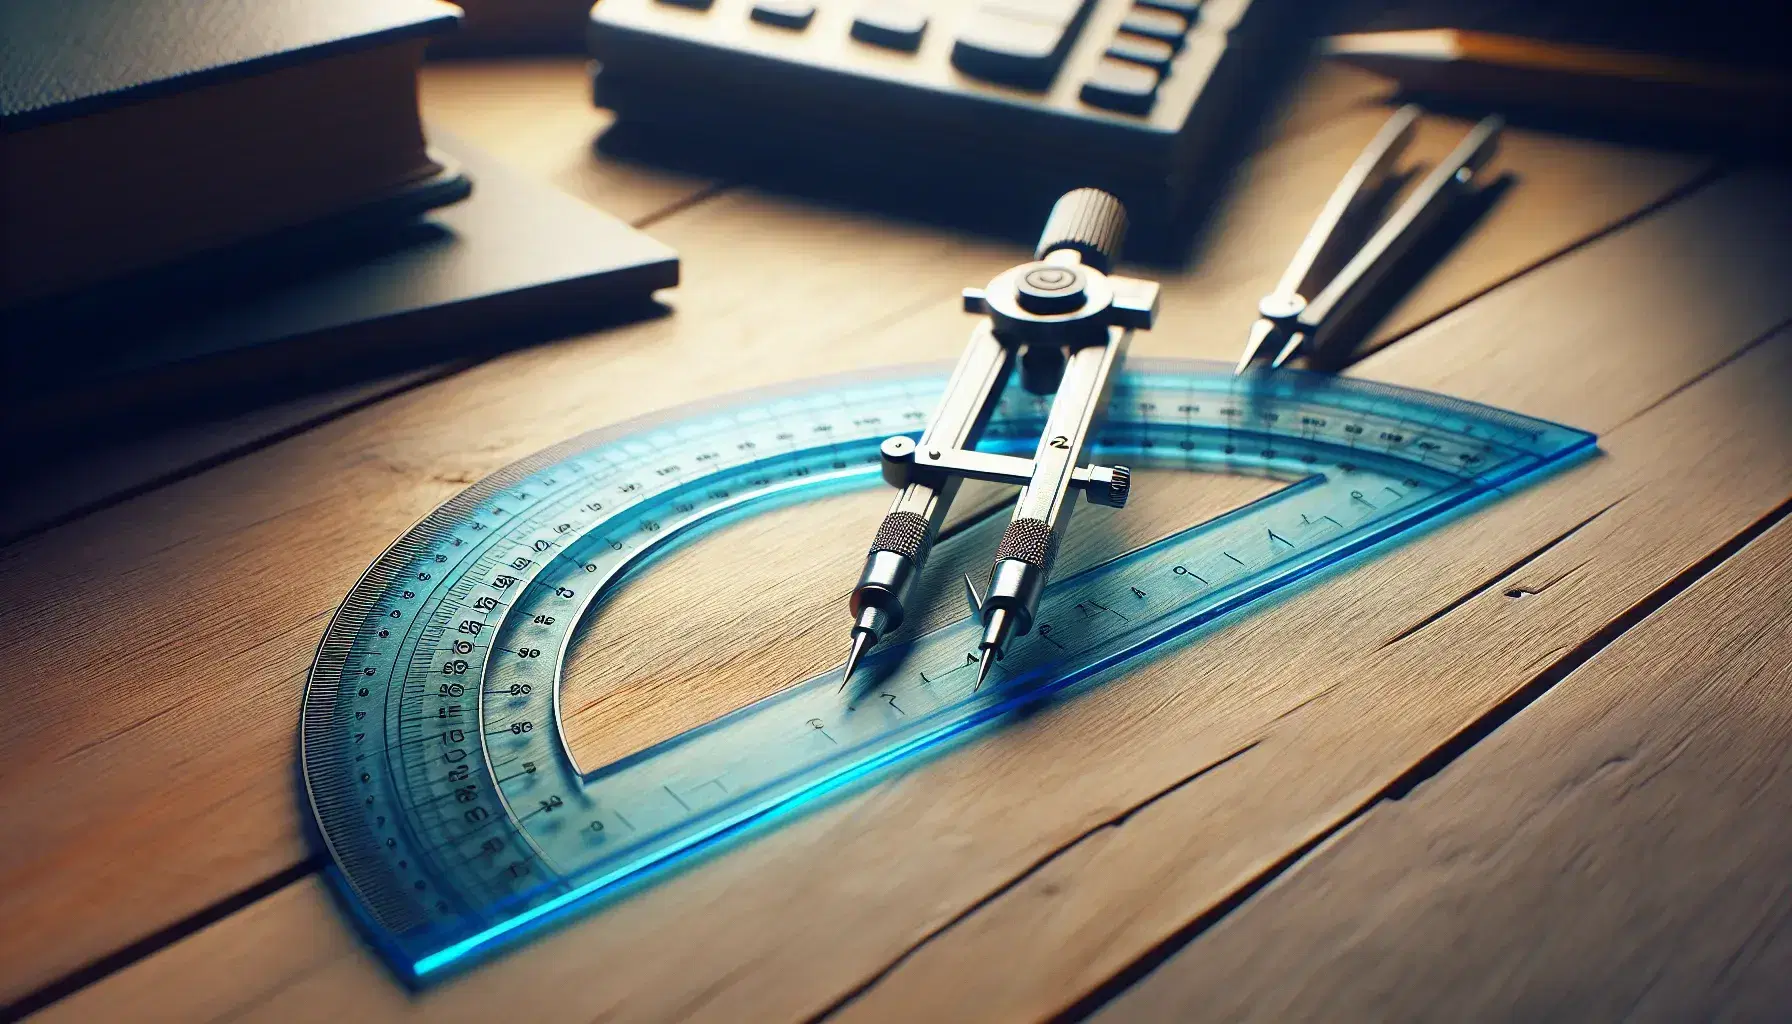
[(1089, 221)]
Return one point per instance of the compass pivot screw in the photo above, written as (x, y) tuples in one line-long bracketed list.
[(1281, 307), (1051, 288)]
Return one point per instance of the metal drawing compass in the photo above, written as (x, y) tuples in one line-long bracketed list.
[(1288, 321), (1068, 322)]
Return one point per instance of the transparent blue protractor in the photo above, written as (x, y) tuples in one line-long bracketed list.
[(458, 819)]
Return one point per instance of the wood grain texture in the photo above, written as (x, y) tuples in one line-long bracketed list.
[(1353, 708), (162, 680), (1065, 846), (41, 494), (213, 591), (1617, 850)]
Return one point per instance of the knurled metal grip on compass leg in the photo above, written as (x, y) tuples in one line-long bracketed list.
[(1067, 321), (880, 601), (1028, 540), (903, 533), (881, 596)]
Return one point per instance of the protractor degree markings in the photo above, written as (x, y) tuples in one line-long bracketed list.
[(1090, 625)]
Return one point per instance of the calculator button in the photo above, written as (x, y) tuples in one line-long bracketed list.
[(1121, 85), (1051, 12), (1187, 8), (784, 13), (695, 5), (1144, 21), (997, 46), (893, 24), (1140, 50)]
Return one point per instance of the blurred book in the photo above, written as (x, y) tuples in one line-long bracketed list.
[(134, 133), (517, 26), (1708, 69), (517, 262)]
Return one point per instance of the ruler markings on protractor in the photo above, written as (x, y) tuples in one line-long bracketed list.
[(433, 752)]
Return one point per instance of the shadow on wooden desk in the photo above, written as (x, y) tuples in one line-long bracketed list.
[(929, 178), (173, 424)]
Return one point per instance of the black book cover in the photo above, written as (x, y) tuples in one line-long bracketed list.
[(61, 59), (517, 262)]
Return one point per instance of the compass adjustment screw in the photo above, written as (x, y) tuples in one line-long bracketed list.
[(1089, 221), (1119, 487), (1106, 485)]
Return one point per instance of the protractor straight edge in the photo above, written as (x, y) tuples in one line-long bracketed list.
[(457, 816)]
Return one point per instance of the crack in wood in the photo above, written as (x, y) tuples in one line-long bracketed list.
[(678, 206), (970, 910), (406, 382), (1754, 343), (1433, 763), (1538, 588), (1580, 654), (1506, 573), (1698, 181), (119, 959)]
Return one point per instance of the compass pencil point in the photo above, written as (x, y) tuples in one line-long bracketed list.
[(861, 641), (984, 663), (1288, 350)]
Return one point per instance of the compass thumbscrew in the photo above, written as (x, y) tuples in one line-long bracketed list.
[(1089, 221), (1119, 487)]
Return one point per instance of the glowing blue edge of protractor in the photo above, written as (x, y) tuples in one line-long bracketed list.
[(1432, 513), (1427, 515), (1562, 443)]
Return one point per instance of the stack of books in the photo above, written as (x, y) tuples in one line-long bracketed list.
[(201, 197)]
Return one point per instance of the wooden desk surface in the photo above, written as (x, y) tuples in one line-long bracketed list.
[(1531, 764)]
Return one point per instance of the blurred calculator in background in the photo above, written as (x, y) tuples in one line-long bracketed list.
[(1124, 95)]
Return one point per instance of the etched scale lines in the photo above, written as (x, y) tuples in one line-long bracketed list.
[(486, 824)]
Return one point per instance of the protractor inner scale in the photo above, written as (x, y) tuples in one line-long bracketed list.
[(433, 750)]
